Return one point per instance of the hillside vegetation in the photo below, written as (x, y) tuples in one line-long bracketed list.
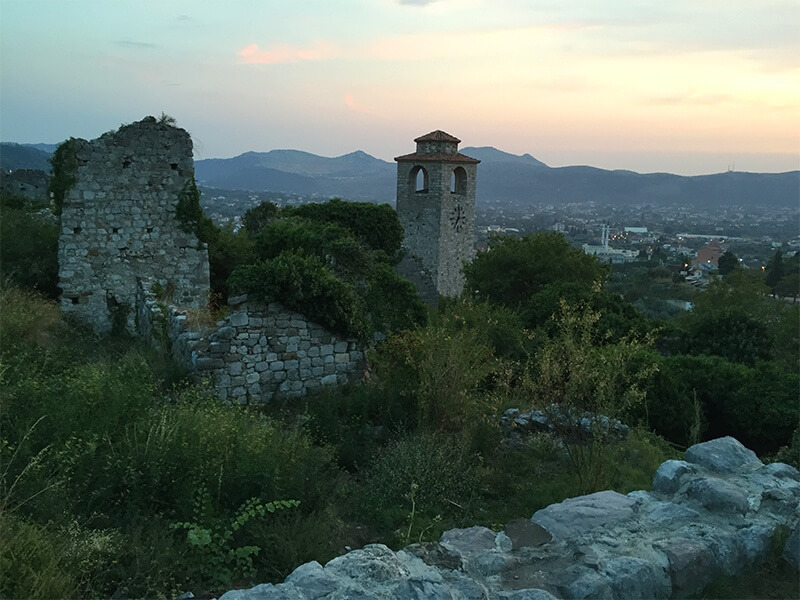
[(120, 478)]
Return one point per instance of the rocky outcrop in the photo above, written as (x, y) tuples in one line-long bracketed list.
[(712, 514)]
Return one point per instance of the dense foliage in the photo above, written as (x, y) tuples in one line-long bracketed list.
[(65, 165), (119, 478), (376, 225), (29, 248), (332, 262)]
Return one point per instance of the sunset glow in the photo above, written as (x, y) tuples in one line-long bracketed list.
[(690, 87)]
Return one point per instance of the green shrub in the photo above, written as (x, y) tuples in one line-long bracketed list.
[(392, 302), (355, 420), (305, 284), (419, 476), (29, 251), (377, 225), (332, 244), (445, 371), (65, 166), (575, 373), (757, 406)]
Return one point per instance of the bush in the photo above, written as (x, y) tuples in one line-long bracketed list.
[(355, 420), (576, 375), (305, 284), (416, 478), (392, 303), (332, 244), (377, 225), (29, 250), (446, 372)]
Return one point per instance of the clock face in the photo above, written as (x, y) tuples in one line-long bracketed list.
[(458, 217)]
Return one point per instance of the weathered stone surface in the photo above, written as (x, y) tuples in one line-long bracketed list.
[(723, 455), (605, 546), (668, 477), (716, 494), (524, 532), (313, 580), (265, 591), (468, 541), (578, 515), (691, 564), (633, 577), (115, 219), (532, 594)]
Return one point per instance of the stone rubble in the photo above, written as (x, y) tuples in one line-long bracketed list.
[(712, 514), (516, 424)]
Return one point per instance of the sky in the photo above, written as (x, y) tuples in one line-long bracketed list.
[(686, 86)]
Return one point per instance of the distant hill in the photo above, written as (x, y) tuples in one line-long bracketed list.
[(24, 156), (519, 181), (516, 180), (493, 155), (356, 175)]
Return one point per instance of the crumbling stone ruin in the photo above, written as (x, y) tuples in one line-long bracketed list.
[(258, 353), (710, 515), (118, 224)]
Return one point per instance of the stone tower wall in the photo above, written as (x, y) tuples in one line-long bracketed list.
[(118, 224), (456, 247), (428, 215)]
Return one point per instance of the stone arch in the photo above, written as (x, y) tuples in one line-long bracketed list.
[(418, 179), (458, 181)]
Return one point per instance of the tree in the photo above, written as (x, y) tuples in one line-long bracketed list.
[(258, 217), (512, 269), (727, 263), (774, 270)]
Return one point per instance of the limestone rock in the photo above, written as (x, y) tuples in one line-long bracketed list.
[(723, 455), (716, 494), (668, 477), (576, 516), (600, 546)]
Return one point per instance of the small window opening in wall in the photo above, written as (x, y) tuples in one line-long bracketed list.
[(419, 180), (458, 181), (76, 230), (126, 162), (115, 230), (74, 300), (173, 166), (149, 230)]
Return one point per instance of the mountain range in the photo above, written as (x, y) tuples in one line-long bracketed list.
[(502, 178)]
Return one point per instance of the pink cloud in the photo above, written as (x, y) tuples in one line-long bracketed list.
[(283, 53)]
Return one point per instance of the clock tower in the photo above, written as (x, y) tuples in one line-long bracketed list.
[(436, 205)]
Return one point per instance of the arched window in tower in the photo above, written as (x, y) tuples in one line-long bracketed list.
[(418, 180), (458, 181)]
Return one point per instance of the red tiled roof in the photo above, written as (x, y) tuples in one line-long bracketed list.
[(438, 136), (438, 157)]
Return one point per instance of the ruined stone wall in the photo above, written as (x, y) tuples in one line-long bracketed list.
[(257, 354), (118, 224)]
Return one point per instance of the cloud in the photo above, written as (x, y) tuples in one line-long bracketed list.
[(285, 53), (352, 104), (416, 2), (127, 43)]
